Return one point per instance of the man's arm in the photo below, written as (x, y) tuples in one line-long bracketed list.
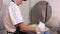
[(24, 27)]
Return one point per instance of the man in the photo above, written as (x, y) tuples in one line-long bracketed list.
[(12, 18)]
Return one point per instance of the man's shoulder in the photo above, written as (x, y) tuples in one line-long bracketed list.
[(12, 5)]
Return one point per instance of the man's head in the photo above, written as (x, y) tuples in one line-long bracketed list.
[(18, 2)]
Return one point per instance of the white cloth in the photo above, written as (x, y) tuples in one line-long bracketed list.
[(41, 26), (12, 16)]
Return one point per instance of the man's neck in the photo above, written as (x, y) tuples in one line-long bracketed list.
[(15, 3)]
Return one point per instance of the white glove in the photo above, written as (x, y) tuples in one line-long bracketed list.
[(41, 26)]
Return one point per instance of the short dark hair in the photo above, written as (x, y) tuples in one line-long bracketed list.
[(23, 0), (12, 0)]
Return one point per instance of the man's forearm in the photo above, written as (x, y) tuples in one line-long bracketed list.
[(24, 27)]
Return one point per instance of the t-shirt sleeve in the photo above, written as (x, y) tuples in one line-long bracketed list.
[(15, 15)]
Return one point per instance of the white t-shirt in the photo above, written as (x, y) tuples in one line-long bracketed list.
[(12, 16)]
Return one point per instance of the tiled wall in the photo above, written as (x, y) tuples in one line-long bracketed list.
[(55, 18), (25, 11)]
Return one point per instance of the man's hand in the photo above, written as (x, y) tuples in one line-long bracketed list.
[(38, 30)]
